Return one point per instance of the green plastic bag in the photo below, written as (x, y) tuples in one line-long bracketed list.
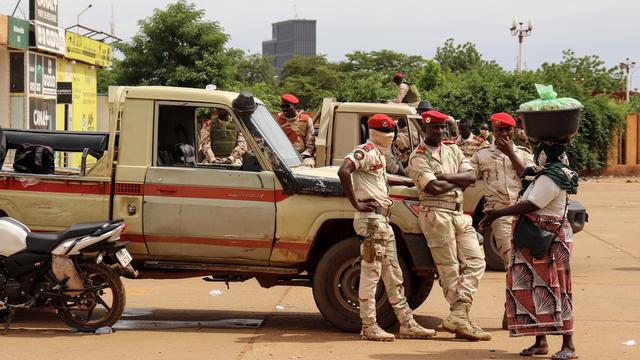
[(548, 101)]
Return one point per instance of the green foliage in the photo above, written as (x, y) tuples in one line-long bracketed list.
[(177, 47), (458, 58)]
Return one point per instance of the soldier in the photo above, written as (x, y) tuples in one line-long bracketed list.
[(500, 165), (407, 93), (485, 133), (441, 172), (519, 136), (226, 140), (299, 129), (466, 141), (369, 195)]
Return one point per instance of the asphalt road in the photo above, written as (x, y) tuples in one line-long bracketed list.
[(178, 319)]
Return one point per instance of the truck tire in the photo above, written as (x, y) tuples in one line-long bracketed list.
[(335, 288), (492, 258), (421, 288)]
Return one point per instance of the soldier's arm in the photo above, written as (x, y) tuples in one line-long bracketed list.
[(506, 147), (403, 89), (425, 179), (399, 180), (344, 173), (240, 149), (310, 141), (475, 164)]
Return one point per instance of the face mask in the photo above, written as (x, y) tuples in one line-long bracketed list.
[(381, 139)]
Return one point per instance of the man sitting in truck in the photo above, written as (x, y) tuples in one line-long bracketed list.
[(226, 140)]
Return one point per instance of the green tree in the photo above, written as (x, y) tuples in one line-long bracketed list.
[(177, 47), (458, 58), (310, 79)]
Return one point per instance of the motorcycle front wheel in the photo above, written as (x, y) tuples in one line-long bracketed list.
[(100, 304)]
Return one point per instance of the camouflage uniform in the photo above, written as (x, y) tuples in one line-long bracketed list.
[(501, 187), (299, 130), (449, 232), (207, 148), (470, 145), (520, 138), (369, 182)]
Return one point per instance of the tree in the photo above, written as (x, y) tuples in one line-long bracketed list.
[(458, 58), (310, 79), (177, 47)]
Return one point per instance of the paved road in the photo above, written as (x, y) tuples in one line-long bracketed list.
[(178, 319)]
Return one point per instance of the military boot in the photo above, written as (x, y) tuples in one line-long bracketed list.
[(457, 317), (412, 330), (458, 323), (375, 333)]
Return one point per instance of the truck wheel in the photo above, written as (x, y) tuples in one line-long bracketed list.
[(421, 288), (335, 288), (492, 257)]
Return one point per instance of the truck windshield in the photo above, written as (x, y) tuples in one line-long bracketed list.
[(274, 138)]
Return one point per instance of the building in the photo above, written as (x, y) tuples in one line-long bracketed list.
[(289, 38)]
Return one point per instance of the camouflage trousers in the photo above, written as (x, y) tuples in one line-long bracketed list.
[(385, 266), (458, 256), (502, 229)]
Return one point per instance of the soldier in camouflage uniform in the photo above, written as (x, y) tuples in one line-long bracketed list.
[(365, 183), (500, 166), (299, 129), (226, 140), (466, 141), (441, 172)]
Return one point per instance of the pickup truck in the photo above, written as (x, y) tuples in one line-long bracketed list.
[(270, 218), (343, 125)]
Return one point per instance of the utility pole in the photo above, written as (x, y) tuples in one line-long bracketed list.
[(517, 29), (626, 66)]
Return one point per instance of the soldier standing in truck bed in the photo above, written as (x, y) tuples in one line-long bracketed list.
[(366, 184), (299, 129)]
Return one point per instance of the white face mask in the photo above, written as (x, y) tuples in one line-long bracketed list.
[(381, 139)]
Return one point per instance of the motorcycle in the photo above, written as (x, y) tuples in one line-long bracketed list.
[(76, 272)]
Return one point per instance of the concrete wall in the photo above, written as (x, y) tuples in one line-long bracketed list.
[(632, 146)]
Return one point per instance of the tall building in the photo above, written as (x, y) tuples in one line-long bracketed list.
[(289, 38)]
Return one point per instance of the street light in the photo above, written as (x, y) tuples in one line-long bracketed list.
[(517, 29), (80, 13), (626, 66)]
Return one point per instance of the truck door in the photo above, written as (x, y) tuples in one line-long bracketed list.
[(201, 206)]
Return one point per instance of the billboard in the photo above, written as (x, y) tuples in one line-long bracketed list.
[(49, 38), (44, 11), (42, 75), (18, 33), (42, 113), (87, 50)]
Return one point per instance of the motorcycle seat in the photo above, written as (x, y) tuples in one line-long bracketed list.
[(46, 242)]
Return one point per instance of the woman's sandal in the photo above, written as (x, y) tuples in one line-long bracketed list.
[(564, 355), (535, 350)]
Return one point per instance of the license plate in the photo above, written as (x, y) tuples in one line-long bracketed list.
[(124, 258)]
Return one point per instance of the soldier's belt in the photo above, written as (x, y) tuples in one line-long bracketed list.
[(384, 211), (453, 206)]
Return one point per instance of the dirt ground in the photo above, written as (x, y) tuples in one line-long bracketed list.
[(178, 319)]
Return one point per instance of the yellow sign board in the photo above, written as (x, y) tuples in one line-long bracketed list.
[(88, 50)]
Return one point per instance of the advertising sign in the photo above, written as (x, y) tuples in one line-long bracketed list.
[(42, 113), (87, 50), (18, 33), (42, 75), (64, 92), (49, 38), (44, 11)]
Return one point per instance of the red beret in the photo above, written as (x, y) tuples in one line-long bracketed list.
[(433, 116), (288, 98), (398, 75), (381, 122), (502, 119)]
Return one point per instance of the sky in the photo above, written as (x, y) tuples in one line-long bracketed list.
[(416, 27)]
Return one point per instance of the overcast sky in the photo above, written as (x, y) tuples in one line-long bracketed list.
[(410, 26)]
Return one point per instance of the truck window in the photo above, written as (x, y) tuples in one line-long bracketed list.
[(196, 136)]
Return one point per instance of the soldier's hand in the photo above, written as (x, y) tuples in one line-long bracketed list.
[(504, 145), (365, 206), (489, 217)]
